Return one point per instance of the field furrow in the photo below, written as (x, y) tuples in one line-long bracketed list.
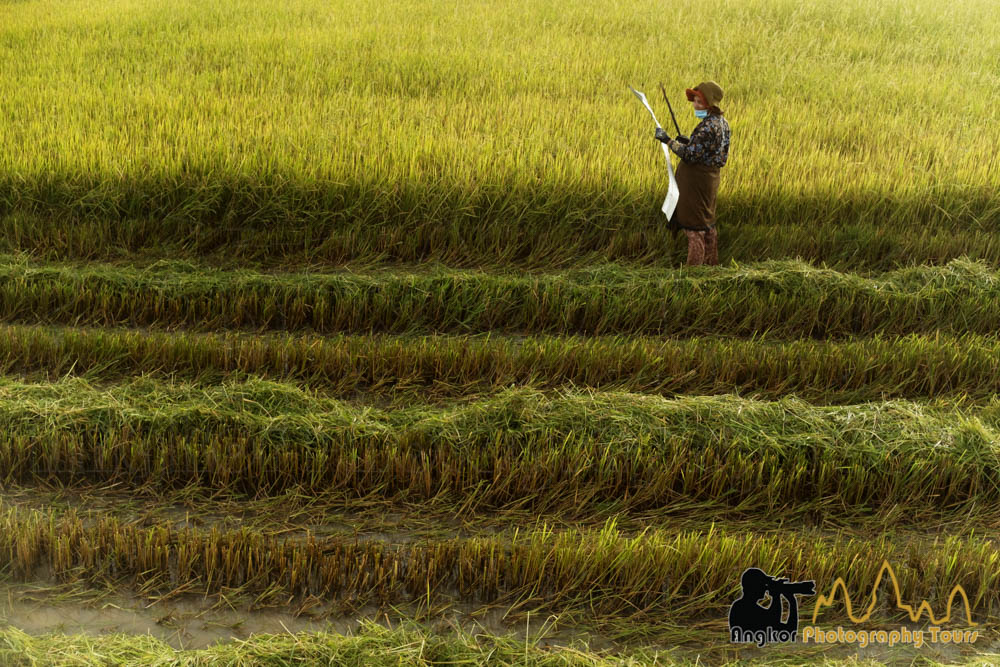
[(441, 367)]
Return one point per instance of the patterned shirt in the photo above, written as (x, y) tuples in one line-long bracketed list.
[(709, 143)]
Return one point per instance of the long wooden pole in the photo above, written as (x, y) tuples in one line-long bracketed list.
[(664, 91)]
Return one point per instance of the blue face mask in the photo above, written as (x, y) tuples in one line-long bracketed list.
[(701, 113)]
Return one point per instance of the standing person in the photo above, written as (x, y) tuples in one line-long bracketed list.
[(702, 156)]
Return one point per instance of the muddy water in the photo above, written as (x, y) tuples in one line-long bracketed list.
[(182, 624), (196, 622)]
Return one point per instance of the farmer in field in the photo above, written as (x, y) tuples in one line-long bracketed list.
[(702, 156)]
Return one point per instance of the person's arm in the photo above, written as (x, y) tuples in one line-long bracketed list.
[(663, 137), (701, 141)]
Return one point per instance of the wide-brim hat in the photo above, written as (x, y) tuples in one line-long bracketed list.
[(709, 92)]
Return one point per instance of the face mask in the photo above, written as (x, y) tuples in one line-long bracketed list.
[(701, 113)]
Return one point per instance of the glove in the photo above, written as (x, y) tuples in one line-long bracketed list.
[(662, 135), (682, 139)]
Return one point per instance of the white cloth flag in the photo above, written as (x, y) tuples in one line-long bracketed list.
[(673, 192)]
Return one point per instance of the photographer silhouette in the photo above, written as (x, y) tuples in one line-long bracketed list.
[(750, 621)]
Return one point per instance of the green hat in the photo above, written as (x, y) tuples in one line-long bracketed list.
[(709, 91)]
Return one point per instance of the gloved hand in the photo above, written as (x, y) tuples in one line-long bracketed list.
[(662, 135), (682, 139)]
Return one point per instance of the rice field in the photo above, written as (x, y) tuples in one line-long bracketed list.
[(351, 333)]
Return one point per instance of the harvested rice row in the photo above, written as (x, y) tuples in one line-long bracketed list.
[(373, 645), (912, 366), (520, 449), (781, 299), (299, 511), (669, 575), (503, 244), (413, 644)]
